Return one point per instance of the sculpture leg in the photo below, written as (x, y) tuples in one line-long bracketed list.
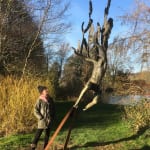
[(92, 103), (81, 95)]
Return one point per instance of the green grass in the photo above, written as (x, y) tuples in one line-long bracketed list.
[(101, 127)]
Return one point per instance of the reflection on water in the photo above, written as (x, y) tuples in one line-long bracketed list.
[(126, 100)]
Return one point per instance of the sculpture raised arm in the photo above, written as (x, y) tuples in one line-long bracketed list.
[(107, 27)]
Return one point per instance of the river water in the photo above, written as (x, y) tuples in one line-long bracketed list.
[(126, 100)]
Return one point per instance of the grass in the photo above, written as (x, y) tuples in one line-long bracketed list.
[(100, 128)]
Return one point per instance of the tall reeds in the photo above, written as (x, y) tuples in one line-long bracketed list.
[(17, 99)]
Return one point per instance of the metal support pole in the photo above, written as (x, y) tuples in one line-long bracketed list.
[(70, 127), (59, 128)]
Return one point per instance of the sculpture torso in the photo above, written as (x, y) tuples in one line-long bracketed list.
[(99, 68)]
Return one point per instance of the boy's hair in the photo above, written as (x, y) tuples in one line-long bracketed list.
[(41, 88)]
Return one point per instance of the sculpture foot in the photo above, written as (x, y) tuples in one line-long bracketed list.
[(75, 106), (84, 109)]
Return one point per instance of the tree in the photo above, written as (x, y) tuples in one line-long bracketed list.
[(139, 32), (62, 55), (29, 29), (17, 31), (53, 75), (119, 58), (52, 22)]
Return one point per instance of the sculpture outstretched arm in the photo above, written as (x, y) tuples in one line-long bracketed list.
[(81, 55), (90, 60)]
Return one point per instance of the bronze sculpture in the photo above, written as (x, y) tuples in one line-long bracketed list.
[(97, 42)]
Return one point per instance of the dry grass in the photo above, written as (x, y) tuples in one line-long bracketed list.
[(141, 76), (138, 115), (17, 99)]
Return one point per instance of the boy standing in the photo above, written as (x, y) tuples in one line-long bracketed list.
[(44, 111)]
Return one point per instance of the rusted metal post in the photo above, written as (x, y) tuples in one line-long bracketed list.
[(74, 113), (59, 128)]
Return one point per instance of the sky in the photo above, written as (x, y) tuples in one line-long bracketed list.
[(79, 13), (79, 10)]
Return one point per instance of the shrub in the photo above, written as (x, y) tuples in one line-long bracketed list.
[(138, 115), (17, 99)]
